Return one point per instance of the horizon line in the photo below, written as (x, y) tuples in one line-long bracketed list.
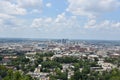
[(57, 38)]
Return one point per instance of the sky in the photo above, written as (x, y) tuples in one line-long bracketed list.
[(58, 19)]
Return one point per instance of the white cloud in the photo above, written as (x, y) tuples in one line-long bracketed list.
[(7, 7), (32, 6), (35, 11), (5, 16), (10, 9), (30, 3), (106, 24), (92, 7), (59, 24), (48, 20), (4, 19), (8, 21), (116, 25), (1, 23), (42, 22), (20, 7), (48, 5)]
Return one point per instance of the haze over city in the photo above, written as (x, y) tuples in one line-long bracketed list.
[(69, 19)]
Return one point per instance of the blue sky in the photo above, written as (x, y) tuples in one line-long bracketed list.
[(72, 19)]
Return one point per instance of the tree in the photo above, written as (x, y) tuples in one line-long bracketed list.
[(1, 58), (77, 75)]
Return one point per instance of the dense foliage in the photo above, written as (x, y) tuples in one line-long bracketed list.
[(82, 68), (9, 74), (66, 59)]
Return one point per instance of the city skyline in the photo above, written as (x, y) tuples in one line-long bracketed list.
[(60, 19)]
